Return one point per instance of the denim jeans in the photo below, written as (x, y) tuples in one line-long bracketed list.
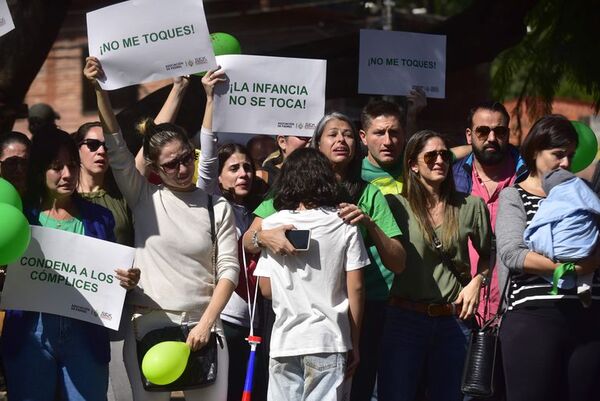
[(55, 360), (416, 349), (315, 377)]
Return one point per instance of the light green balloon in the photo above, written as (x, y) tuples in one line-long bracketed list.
[(15, 233), (8, 194), (165, 362)]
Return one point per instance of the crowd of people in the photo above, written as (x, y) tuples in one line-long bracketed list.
[(404, 256)]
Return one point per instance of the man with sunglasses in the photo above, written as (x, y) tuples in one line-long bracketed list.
[(14, 155), (492, 165)]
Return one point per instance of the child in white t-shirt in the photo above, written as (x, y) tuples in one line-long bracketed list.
[(318, 293)]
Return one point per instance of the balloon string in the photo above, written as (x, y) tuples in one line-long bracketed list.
[(251, 309)]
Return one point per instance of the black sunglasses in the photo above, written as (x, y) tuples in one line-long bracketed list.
[(93, 144), (14, 162), (483, 131), (173, 165), (431, 156)]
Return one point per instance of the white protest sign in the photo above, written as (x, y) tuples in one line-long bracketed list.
[(6, 21), (270, 95), (393, 63), (147, 40), (68, 275)]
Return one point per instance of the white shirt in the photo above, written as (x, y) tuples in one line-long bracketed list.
[(309, 291)]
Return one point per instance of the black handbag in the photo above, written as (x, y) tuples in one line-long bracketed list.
[(201, 368), (481, 362)]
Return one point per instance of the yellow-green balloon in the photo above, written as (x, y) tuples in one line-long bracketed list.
[(587, 147), (165, 362), (15, 233), (8, 194)]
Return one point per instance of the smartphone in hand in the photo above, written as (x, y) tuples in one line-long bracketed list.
[(300, 239)]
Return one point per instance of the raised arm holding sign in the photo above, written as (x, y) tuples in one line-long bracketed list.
[(148, 40)]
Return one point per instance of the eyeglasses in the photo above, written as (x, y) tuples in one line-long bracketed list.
[(431, 156), (173, 165), (93, 144), (483, 131)]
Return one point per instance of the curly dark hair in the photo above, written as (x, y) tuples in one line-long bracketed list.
[(306, 177)]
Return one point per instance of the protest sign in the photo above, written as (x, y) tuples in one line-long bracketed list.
[(68, 275), (147, 40), (6, 21), (393, 63), (270, 95)]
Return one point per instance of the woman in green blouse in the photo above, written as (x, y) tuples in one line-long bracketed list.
[(426, 329)]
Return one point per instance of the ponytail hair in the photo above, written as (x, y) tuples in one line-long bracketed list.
[(158, 135)]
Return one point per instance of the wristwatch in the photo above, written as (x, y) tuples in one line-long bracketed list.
[(255, 241), (486, 279)]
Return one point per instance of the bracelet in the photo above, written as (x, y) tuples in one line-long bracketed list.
[(255, 241), (485, 279)]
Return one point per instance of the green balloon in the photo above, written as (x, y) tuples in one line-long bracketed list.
[(587, 147), (223, 43), (165, 362), (15, 233), (8, 194)]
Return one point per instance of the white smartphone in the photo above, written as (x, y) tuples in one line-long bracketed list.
[(300, 239)]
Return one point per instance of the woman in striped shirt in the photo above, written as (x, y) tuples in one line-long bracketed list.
[(550, 343)]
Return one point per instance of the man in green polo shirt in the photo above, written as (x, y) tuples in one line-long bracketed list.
[(383, 133)]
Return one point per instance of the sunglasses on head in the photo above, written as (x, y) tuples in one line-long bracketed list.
[(93, 144), (431, 156), (173, 165), (483, 131)]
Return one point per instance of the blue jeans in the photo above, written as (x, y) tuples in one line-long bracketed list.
[(315, 377), (54, 360), (419, 349)]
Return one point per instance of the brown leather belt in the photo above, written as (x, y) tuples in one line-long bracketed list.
[(433, 310)]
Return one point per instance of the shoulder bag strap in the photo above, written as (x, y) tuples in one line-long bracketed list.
[(447, 261), (213, 239)]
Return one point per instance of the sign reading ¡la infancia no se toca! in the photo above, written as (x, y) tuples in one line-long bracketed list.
[(269, 95)]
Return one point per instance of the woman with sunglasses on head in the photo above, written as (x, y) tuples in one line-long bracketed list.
[(228, 171), (180, 286), (427, 323), (45, 355), (550, 342)]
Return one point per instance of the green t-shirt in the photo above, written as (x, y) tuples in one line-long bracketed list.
[(388, 180), (425, 278), (373, 203), (73, 225)]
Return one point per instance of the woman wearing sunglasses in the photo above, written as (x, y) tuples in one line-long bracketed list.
[(48, 356), (427, 328), (96, 182), (173, 244)]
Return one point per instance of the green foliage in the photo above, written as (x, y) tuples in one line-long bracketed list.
[(558, 57)]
